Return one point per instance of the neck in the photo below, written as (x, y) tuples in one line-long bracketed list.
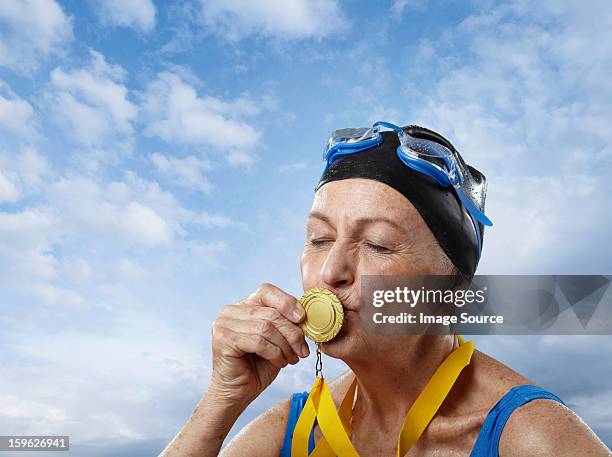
[(390, 379)]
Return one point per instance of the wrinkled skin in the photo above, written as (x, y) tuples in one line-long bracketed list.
[(342, 245), (358, 227)]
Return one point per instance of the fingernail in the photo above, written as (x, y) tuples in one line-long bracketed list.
[(305, 350), (298, 313)]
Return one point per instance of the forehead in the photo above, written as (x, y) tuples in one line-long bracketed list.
[(358, 198)]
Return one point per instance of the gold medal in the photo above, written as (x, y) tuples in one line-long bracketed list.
[(324, 314)]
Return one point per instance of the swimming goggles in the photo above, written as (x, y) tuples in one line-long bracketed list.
[(429, 157)]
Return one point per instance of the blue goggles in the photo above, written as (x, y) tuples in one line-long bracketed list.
[(425, 156)]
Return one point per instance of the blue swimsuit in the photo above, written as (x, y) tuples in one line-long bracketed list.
[(487, 442)]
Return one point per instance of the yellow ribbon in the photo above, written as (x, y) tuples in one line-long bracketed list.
[(336, 425)]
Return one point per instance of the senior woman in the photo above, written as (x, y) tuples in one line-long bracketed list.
[(380, 208)]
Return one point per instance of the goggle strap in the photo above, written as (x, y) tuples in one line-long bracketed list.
[(423, 167), (476, 227), (341, 149), (389, 125), (473, 209)]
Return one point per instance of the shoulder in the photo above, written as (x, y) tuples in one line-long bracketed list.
[(544, 427), (263, 436), (481, 385), (540, 427)]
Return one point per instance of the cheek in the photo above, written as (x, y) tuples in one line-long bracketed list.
[(395, 264), (311, 265), (382, 265)]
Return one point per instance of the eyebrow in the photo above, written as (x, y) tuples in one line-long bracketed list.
[(359, 222)]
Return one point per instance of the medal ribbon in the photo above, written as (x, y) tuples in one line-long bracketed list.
[(335, 425)]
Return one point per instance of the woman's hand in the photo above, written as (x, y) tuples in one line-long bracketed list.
[(252, 340)]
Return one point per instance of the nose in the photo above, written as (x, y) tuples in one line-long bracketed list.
[(338, 270)]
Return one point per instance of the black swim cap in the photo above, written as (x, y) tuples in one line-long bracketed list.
[(440, 207)]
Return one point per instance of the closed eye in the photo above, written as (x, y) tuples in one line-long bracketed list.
[(319, 242), (377, 248)]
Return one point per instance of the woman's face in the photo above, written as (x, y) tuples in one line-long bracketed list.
[(363, 227)]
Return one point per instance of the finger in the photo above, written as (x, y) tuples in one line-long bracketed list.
[(242, 343), (265, 328), (272, 296), (251, 310), (290, 331)]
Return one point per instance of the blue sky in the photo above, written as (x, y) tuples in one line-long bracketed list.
[(157, 160)]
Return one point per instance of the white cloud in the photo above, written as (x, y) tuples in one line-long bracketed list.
[(205, 219), (202, 253), (37, 411), (8, 190), (16, 114), (524, 92), (289, 167), (22, 172), (112, 210), (30, 32), (32, 168), (139, 14), (135, 211), (528, 106), (91, 103), (398, 6), (187, 172), (79, 246), (290, 19), (48, 394), (26, 238), (29, 237), (164, 202), (240, 159), (56, 295), (537, 215), (130, 269), (176, 113), (144, 224)]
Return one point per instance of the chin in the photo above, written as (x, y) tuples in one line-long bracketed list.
[(345, 343), (337, 348)]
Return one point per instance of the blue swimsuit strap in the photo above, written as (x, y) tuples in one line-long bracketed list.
[(487, 443), (298, 400)]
